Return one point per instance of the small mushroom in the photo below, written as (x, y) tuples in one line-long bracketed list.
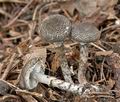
[(33, 65), (84, 33), (32, 74), (55, 29)]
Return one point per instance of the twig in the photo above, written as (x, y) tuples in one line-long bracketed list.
[(8, 67), (102, 73), (18, 90), (15, 1), (19, 14), (111, 27), (5, 13), (15, 37), (97, 47)]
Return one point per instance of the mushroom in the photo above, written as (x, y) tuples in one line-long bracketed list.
[(55, 29), (32, 74), (33, 65), (84, 33)]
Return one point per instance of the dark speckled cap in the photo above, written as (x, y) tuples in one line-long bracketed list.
[(55, 28), (85, 32)]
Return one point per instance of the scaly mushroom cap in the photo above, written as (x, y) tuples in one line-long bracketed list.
[(85, 32), (55, 28), (26, 78)]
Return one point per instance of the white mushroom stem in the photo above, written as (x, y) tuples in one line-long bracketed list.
[(83, 59), (64, 66), (33, 73), (54, 82)]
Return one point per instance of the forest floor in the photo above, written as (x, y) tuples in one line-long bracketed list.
[(21, 41)]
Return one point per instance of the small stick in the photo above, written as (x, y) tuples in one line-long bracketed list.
[(97, 47), (19, 14), (7, 70), (18, 90)]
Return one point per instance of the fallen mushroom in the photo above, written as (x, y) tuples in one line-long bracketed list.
[(32, 74), (55, 29), (26, 81), (84, 33)]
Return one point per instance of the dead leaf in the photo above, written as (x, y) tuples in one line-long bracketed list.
[(11, 98), (55, 63), (86, 7), (36, 52), (110, 84), (69, 6), (23, 47), (14, 33), (114, 62), (108, 7)]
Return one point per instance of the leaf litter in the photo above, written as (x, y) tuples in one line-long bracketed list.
[(20, 41)]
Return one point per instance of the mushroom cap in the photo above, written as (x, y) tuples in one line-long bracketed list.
[(27, 80), (85, 32), (55, 28)]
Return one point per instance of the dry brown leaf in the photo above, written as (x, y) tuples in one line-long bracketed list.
[(69, 6), (55, 63), (97, 18), (108, 7), (25, 92), (111, 11), (36, 52), (14, 33), (86, 7), (114, 62), (11, 98), (23, 47), (111, 83)]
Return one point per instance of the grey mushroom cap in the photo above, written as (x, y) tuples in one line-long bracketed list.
[(26, 80), (85, 32), (55, 28)]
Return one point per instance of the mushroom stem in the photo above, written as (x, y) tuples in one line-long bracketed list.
[(54, 82), (64, 65), (83, 59), (32, 74)]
